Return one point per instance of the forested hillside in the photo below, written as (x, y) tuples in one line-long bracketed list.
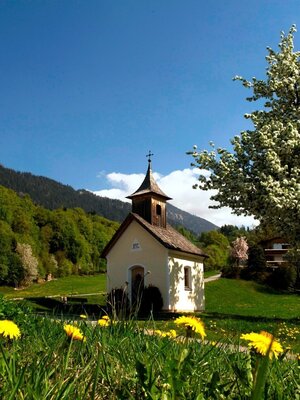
[(52, 195), (35, 241)]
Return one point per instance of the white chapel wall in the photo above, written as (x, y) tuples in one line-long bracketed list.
[(137, 247), (181, 298)]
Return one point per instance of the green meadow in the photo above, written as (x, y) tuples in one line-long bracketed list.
[(232, 307), (236, 306), (140, 359), (68, 286)]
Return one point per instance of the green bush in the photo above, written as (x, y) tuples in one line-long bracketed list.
[(256, 258), (151, 300), (231, 272), (217, 247), (283, 277)]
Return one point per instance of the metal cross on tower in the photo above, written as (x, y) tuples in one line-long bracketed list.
[(149, 156)]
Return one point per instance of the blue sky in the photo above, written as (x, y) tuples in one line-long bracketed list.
[(88, 87)]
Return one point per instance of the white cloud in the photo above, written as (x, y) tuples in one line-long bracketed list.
[(121, 185), (178, 185)]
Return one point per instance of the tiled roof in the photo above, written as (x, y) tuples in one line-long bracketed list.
[(168, 237)]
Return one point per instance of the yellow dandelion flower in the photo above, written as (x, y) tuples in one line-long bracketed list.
[(159, 332), (191, 323), (83, 316), (262, 341), (74, 333), (104, 322), (105, 317), (9, 329), (172, 333)]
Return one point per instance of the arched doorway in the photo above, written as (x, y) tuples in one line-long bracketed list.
[(137, 284)]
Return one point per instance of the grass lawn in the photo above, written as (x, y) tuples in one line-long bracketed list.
[(245, 298), (232, 306), (68, 286), (236, 306), (46, 297), (123, 361)]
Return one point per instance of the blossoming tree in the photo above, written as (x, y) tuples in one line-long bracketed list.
[(239, 250), (261, 176)]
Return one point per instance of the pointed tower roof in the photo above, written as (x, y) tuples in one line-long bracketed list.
[(149, 186)]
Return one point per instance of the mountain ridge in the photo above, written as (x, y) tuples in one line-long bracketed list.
[(53, 194)]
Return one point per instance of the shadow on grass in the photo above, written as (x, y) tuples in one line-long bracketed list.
[(75, 306), (168, 316), (270, 290), (251, 318), (71, 307), (80, 306)]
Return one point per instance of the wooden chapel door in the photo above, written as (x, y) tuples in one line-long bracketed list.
[(137, 284)]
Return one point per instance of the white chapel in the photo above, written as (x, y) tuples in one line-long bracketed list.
[(147, 250)]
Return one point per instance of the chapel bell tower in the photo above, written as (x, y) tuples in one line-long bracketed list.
[(149, 201)]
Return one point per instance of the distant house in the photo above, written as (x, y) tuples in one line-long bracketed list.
[(147, 251), (275, 250)]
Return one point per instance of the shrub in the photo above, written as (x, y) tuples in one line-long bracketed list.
[(231, 272), (16, 271), (151, 300), (283, 277), (249, 274), (256, 258), (65, 267)]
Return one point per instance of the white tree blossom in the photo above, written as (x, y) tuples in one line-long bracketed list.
[(239, 250), (261, 176), (29, 262)]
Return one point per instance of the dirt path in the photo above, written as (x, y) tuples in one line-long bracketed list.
[(212, 278)]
